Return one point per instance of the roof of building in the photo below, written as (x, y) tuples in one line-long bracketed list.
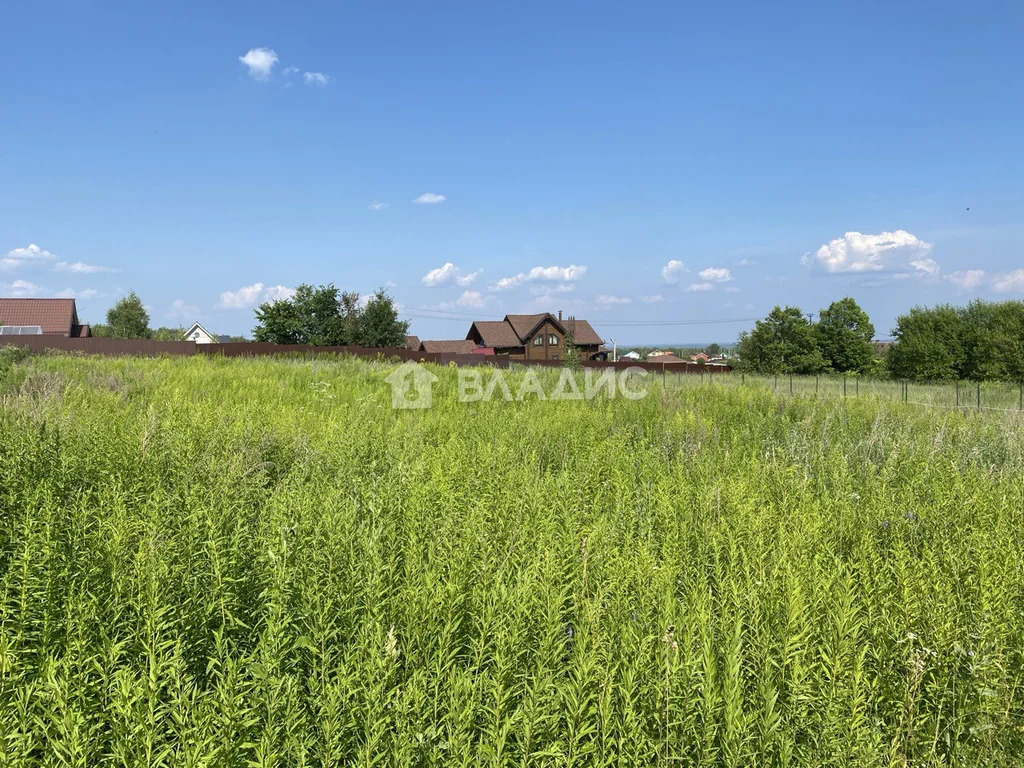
[(515, 330), (54, 316), (197, 327), (496, 333), (412, 342), (449, 346), (668, 357)]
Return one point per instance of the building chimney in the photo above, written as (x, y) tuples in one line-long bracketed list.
[(559, 315)]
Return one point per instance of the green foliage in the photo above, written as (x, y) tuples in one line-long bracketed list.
[(225, 562), (571, 358), (378, 323), (712, 350), (168, 334), (929, 344), (784, 342), (128, 318), (844, 336), (323, 316)]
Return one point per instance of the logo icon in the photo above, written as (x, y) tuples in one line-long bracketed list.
[(411, 386)]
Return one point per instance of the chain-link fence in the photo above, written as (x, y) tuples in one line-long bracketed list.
[(987, 395)]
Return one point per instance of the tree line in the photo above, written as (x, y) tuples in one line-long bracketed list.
[(322, 316), (982, 341)]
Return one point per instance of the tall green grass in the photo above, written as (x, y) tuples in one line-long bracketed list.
[(239, 563)]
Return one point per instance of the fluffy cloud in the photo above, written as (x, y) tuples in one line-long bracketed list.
[(655, 299), (697, 287), (604, 300), (315, 78), (32, 254), (968, 278), (250, 295), (429, 198), (448, 273), (80, 268), (925, 266), (471, 299), (856, 252), (260, 62), (1009, 281), (20, 289), (715, 275), (377, 205), (1000, 282), (673, 271), (541, 274)]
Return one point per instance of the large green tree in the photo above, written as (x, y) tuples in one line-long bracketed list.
[(784, 342), (323, 316), (844, 336), (378, 323), (128, 318), (929, 344)]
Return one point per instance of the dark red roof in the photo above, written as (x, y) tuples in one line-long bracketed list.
[(54, 316), (450, 346), (496, 333)]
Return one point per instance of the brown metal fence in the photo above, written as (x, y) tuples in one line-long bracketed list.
[(151, 348)]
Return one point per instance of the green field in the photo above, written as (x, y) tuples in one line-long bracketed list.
[(258, 562)]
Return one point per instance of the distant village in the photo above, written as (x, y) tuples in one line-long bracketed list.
[(538, 336)]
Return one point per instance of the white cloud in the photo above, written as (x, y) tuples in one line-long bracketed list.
[(744, 263), (1009, 281), (673, 271), (967, 279), (715, 275), (605, 300), (315, 78), (926, 266), (856, 252), (20, 289), (448, 273), (71, 293), (31, 254), (377, 205), (655, 299), (538, 274), (80, 268), (537, 290), (290, 70), (700, 287), (249, 296), (183, 311), (429, 198), (260, 62), (471, 299)]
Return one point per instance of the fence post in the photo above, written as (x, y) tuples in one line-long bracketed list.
[(844, 386), (816, 385), (958, 393), (776, 382), (791, 385), (979, 395), (1020, 397), (702, 376), (743, 377), (856, 386), (664, 382)]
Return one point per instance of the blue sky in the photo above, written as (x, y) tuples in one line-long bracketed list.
[(624, 162)]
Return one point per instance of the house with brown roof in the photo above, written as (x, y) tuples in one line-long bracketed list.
[(666, 357), (412, 343), (539, 336), (449, 346), (47, 317)]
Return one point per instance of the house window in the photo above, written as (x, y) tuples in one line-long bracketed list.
[(538, 340), (552, 340)]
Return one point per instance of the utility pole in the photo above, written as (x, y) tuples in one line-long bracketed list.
[(810, 318), (615, 348)]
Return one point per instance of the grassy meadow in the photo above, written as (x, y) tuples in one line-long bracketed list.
[(208, 562)]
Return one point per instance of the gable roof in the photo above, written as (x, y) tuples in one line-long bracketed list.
[(197, 326), (54, 316), (413, 343), (495, 333), (449, 346), (525, 325), (582, 332)]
